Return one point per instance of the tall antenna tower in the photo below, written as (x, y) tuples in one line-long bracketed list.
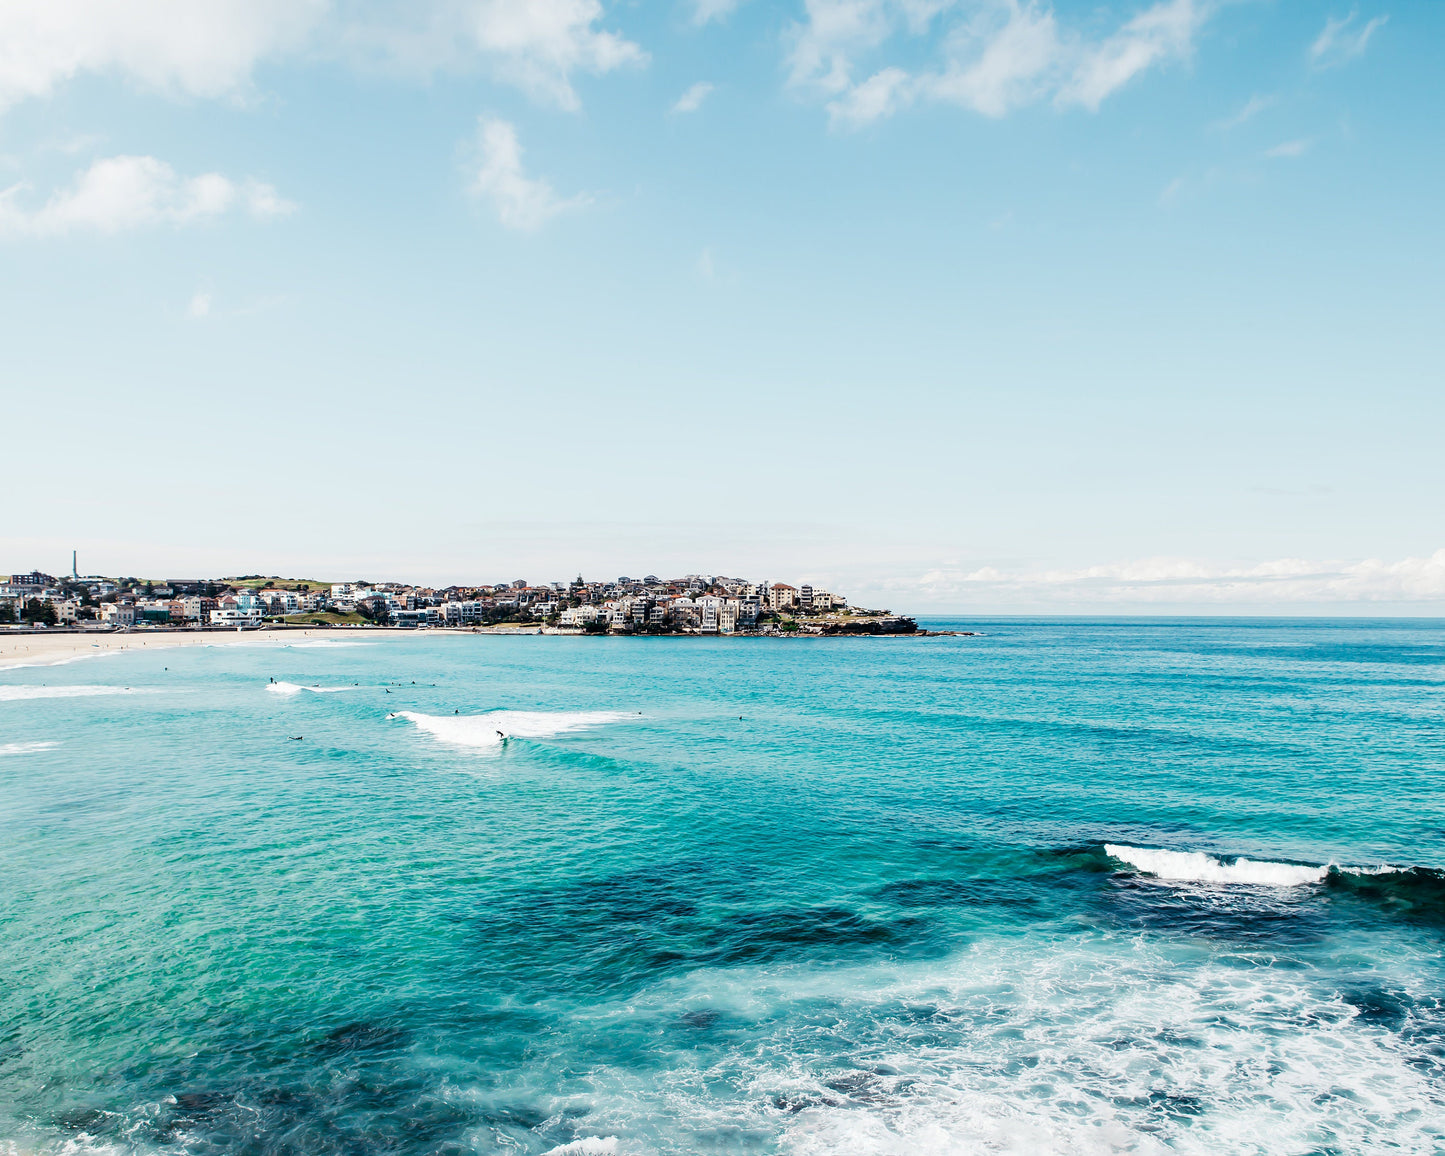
[(74, 569)]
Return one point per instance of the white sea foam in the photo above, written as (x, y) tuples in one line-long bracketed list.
[(67, 660), (1197, 867), (481, 730), (587, 1146), (23, 693), (1081, 1044), (290, 688), (26, 748)]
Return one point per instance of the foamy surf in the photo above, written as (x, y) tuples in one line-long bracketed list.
[(24, 693), (487, 730), (290, 688), (1197, 867), (26, 748), (587, 1146)]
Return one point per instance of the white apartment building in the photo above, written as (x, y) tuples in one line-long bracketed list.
[(118, 613), (461, 613), (709, 612)]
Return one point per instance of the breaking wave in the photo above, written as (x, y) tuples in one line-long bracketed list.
[(587, 1146), (26, 748), (290, 688), (487, 730), (1197, 867), (22, 693)]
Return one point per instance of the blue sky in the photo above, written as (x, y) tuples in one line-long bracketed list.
[(951, 305)]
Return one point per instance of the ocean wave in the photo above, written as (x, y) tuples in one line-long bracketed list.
[(26, 748), (1198, 867), (24, 693), (290, 688), (67, 660), (587, 1146), (1081, 1045), (486, 730)]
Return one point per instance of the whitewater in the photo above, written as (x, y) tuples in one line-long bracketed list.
[(1063, 887)]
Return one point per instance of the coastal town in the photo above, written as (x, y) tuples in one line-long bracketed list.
[(694, 604)]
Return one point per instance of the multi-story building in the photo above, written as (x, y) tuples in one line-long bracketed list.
[(781, 596), (118, 613), (237, 610), (197, 608)]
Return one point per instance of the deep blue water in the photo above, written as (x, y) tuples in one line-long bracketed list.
[(732, 895)]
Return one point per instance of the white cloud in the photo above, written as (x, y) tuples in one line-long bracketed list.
[(1341, 40), (998, 56), (706, 11), (1163, 32), (522, 202), (200, 305), (1015, 66), (209, 48), (691, 100), (539, 44), (880, 95), (127, 192), (1176, 581), (1289, 148), (196, 47), (1252, 108)]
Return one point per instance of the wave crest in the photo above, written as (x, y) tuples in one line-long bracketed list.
[(587, 1146), (482, 730), (290, 688), (1198, 867), (21, 693)]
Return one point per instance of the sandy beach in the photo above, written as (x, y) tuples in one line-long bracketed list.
[(18, 649)]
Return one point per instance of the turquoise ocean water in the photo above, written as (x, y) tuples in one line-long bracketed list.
[(945, 895)]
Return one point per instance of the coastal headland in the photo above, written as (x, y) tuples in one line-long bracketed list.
[(143, 611)]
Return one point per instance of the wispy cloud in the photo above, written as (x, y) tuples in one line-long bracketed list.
[(1166, 581), (706, 11), (1163, 32), (200, 305), (1342, 39), (994, 58), (522, 202), (1289, 148), (691, 100), (1252, 108), (129, 192)]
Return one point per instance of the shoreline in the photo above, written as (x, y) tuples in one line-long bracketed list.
[(52, 647)]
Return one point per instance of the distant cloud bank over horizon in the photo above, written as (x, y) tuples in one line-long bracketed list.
[(1170, 582)]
